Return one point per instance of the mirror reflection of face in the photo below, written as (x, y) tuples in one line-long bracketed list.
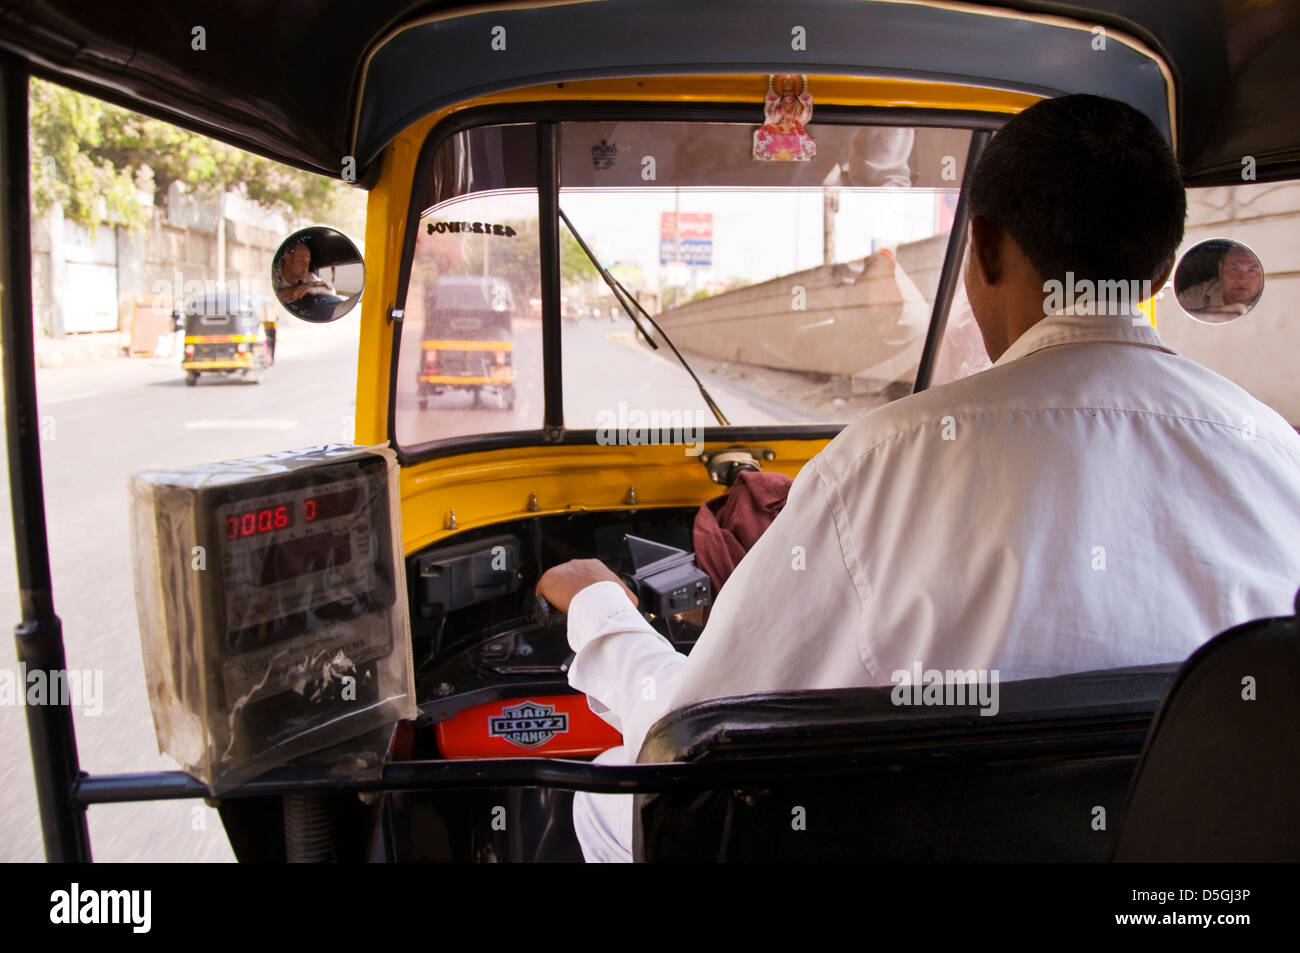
[(1242, 276), (330, 291), (1218, 281), (297, 262)]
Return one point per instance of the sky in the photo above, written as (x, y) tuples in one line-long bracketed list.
[(758, 234)]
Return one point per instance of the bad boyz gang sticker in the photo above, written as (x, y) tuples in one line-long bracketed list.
[(528, 724)]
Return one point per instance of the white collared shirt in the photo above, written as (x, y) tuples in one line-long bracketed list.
[(1091, 501)]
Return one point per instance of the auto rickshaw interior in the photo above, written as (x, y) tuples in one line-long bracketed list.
[(861, 265), (499, 204), (839, 263)]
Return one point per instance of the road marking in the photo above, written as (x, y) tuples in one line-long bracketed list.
[(254, 423), (59, 400)]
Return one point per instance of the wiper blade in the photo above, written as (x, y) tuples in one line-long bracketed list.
[(614, 284), (623, 296)]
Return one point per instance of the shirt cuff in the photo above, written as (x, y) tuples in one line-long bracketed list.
[(593, 609)]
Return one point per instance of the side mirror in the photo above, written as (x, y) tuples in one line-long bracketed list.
[(1218, 281), (317, 274)]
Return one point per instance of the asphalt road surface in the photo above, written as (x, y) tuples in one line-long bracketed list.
[(100, 422), (103, 421), (605, 365)]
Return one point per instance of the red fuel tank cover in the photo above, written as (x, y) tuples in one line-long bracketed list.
[(551, 725)]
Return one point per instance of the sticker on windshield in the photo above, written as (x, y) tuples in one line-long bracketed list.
[(787, 109), (478, 228), (603, 155)]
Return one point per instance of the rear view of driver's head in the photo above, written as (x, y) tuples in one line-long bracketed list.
[(1081, 185)]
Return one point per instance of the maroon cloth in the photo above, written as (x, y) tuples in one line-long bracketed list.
[(727, 526)]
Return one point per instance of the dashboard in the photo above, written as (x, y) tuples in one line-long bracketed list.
[(491, 662)]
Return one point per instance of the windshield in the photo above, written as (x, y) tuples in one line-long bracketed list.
[(798, 290)]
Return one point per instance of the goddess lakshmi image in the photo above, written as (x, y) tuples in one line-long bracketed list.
[(787, 108)]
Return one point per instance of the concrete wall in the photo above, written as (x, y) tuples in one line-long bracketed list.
[(172, 254), (1259, 351), (849, 312)]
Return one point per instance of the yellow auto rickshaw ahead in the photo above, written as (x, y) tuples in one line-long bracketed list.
[(468, 343), (228, 334)]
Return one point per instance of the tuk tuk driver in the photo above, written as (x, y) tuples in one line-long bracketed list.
[(1093, 500), (293, 277), (1231, 293)]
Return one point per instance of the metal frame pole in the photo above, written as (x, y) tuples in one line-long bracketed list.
[(39, 636)]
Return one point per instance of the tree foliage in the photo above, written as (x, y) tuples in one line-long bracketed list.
[(517, 260), (93, 159)]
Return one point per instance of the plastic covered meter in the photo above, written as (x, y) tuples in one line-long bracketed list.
[(271, 596)]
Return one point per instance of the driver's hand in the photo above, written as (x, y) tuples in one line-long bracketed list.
[(314, 288), (561, 583)]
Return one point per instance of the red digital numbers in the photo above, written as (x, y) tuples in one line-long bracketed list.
[(255, 522), (309, 511)]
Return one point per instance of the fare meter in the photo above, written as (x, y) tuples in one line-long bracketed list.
[(271, 599)]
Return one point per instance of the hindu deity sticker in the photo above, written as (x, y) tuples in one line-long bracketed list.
[(787, 109)]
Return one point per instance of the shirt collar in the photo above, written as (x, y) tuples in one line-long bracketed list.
[(1066, 327)]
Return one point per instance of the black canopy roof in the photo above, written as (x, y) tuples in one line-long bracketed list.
[(285, 78)]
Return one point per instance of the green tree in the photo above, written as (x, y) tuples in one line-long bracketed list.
[(90, 157), (516, 260), (574, 263)]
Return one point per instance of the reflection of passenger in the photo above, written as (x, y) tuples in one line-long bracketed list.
[(786, 110), (293, 278), (1232, 293), (879, 158)]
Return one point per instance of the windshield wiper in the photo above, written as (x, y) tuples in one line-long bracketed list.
[(623, 296)]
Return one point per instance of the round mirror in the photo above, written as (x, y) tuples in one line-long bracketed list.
[(317, 274), (1218, 281)]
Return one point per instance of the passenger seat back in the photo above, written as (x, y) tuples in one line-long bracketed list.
[(845, 774), (1219, 777)]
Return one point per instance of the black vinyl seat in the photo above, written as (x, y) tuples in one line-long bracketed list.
[(845, 774), (1219, 777)]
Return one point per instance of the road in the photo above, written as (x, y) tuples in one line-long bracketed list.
[(100, 422), (103, 421), (609, 374)]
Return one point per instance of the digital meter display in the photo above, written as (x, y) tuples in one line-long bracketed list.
[(294, 559), (330, 505), (281, 561), (268, 519), (257, 522)]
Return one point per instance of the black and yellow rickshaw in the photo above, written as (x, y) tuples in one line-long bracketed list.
[(541, 120), (227, 335), (467, 343)]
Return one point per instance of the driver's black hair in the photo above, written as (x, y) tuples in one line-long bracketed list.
[(1084, 184)]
